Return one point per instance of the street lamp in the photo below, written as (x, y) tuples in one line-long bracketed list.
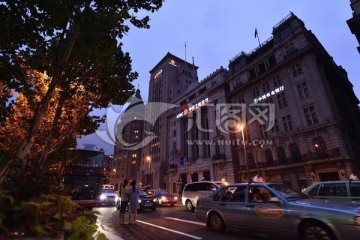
[(148, 158), (241, 127)]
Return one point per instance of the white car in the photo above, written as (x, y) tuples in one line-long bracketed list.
[(108, 196)]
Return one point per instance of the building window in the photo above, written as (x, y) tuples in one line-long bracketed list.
[(303, 90), (295, 152), (289, 48), (277, 81), (262, 130), (251, 160), (297, 70), (174, 133), (276, 126), (310, 116), (174, 145), (282, 100), (287, 123), (241, 98), (256, 92), (287, 32), (266, 87), (269, 157), (281, 154)]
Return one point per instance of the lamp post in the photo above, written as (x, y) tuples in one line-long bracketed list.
[(148, 159), (241, 127)]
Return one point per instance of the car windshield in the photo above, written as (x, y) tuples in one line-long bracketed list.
[(287, 192), (108, 191)]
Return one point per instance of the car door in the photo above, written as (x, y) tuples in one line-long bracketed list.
[(270, 215), (231, 203), (334, 192), (354, 190)]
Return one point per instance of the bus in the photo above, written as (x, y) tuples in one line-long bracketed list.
[(83, 176)]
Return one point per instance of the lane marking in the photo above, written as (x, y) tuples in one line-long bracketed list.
[(187, 221), (170, 230)]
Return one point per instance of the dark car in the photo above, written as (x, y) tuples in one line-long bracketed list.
[(163, 196), (146, 201)]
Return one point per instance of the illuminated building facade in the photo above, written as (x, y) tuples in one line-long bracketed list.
[(169, 79), (302, 116), (196, 146)]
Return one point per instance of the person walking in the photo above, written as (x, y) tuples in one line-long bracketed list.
[(133, 202), (124, 200)]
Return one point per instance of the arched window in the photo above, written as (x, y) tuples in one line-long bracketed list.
[(281, 154), (295, 152), (269, 157), (251, 160)]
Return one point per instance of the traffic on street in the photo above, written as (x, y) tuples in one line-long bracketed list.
[(166, 222)]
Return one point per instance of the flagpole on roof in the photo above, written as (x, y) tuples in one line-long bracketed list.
[(257, 36)]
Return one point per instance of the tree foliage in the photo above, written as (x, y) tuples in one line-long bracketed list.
[(77, 44)]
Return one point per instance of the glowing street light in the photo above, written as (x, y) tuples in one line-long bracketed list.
[(241, 127), (148, 158)]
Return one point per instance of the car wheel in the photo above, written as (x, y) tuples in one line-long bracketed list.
[(188, 205), (215, 223), (314, 231)]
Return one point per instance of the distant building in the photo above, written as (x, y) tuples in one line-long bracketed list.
[(354, 22), (291, 84), (127, 158), (169, 79), (89, 146)]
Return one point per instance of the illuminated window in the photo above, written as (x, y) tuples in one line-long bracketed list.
[(134, 155)]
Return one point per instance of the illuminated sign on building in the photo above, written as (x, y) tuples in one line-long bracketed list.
[(172, 62), (269, 94), (192, 107), (158, 74)]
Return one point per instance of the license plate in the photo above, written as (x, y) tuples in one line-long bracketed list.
[(147, 204)]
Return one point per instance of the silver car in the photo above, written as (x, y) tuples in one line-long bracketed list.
[(276, 209)]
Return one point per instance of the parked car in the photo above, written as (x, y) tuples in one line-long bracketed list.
[(192, 191), (108, 196), (281, 212), (163, 196), (339, 191), (146, 201)]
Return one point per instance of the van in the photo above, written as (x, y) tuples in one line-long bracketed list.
[(192, 191), (335, 191)]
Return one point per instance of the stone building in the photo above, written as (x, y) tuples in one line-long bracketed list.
[(301, 116), (354, 22), (197, 148), (127, 151), (169, 79)]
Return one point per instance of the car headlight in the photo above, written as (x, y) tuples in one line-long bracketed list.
[(116, 198), (163, 198), (139, 200), (102, 197), (155, 200), (175, 198), (357, 220)]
